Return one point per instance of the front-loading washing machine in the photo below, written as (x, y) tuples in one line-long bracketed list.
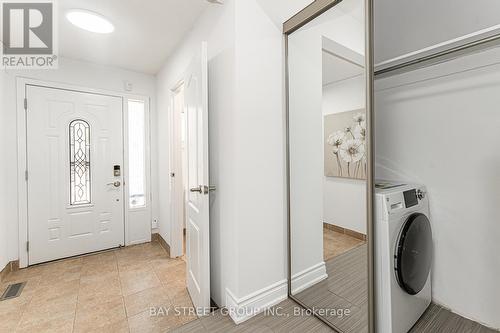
[(403, 255)]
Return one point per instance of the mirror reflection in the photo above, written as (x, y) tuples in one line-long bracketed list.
[(327, 126)]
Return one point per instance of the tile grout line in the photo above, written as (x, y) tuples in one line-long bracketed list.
[(27, 305), (170, 300), (161, 281), (77, 298), (121, 290)]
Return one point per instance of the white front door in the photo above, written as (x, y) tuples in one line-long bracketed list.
[(74, 145), (197, 224)]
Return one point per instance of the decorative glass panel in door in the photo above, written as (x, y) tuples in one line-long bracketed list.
[(79, 157)]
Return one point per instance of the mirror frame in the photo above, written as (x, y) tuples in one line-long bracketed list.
[(309, 13)]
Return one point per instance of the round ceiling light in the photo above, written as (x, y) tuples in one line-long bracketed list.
[(90, 21)]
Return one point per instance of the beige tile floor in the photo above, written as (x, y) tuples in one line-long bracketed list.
[(107, 292), (335, 243)]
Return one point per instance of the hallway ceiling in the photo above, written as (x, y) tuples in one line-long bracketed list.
[(336, 69), (146, 32), (281, 10)]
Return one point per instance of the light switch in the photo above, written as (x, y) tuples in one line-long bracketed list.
[(128, 86)]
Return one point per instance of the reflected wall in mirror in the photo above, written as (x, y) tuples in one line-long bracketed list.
[(327, 166)]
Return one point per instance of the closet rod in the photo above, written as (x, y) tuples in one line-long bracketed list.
[(441, 56)]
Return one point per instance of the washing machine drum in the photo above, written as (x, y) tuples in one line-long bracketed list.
[(414, 254)]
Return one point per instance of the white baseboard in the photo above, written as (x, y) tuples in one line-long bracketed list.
[(308, 277), (242, 309)]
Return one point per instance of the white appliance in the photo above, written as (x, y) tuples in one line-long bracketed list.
[(403, 256)]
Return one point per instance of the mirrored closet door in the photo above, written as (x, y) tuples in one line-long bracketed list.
[(328, 164)]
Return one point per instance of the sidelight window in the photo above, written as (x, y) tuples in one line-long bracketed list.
[(136, 151)]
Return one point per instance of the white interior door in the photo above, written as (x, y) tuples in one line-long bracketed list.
[(197, 224), (75, 200)]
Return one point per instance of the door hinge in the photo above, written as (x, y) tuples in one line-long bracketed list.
[(26, 104), (27, 246), (26, 175)]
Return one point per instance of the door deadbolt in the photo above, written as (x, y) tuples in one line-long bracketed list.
[(117, 171)]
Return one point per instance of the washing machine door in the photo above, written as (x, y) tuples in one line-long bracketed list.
[(414, 254)]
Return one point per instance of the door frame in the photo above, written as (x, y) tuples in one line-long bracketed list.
[(306, 15), (22, 188), (176, 227)]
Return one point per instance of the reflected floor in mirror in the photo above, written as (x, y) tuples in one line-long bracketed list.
[(335, 243), (344, 289)]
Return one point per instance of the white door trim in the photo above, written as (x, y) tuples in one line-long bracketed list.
[(176, 227), (22, 193)]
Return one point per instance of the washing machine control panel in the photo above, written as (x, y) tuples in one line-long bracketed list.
[(410, 198)]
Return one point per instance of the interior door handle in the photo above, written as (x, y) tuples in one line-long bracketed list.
[(115, 184), (207, 189), (196, 189)]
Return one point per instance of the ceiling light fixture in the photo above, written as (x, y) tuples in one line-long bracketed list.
[(90, 21)]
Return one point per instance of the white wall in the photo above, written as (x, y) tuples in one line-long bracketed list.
[(70, 72), (346, 95), (259, 150), (439, 126), (4, 257), (407, 25), (281, 10), (345, 199), (246, 146)]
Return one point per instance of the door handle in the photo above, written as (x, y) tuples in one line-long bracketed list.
[(115, 184), (196, 189), (207, 189)]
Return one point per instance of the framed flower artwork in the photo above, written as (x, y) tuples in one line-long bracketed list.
[(344, 144)]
